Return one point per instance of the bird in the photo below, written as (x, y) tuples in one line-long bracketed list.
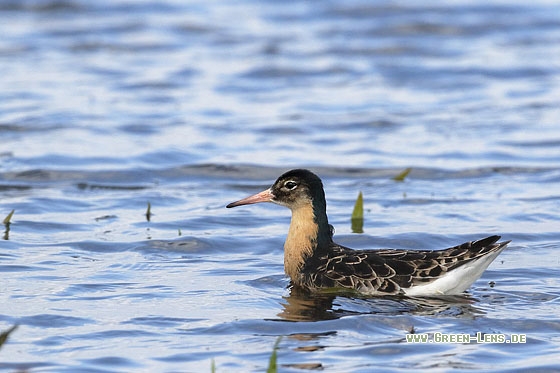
[(313, 261)]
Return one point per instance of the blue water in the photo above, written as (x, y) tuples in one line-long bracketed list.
[(107, 106)]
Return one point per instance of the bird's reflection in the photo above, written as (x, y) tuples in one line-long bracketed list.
[(302, 305)]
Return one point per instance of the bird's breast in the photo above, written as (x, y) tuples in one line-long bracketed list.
[(301, 240)]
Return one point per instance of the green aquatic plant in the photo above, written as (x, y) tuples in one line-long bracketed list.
[(149, 211), (7, 221), (358, 215), (272, 362), (5, 334), (403, 174), (8, 218)]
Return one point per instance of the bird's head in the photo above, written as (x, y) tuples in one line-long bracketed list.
[(294, 189)]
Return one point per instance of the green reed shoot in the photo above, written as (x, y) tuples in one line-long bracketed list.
[(358, 215), (272, 362), (6, 333), (7, 219), (149, 211), (403, 174)]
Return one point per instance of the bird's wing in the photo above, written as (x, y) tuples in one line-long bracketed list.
[(391, 271)]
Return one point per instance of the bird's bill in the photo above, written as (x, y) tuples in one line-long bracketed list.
[(264, 196)]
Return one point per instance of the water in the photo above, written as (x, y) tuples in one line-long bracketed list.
[(106, 106)]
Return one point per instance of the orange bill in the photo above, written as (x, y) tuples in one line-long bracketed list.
[(264, 196)]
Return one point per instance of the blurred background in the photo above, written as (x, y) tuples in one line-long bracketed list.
[(143, 84)]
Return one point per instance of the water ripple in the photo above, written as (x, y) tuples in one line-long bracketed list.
[(108, 106)]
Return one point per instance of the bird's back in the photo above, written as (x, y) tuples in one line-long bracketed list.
[(408, 272)]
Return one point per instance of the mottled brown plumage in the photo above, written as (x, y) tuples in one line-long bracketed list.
[(314, 261)]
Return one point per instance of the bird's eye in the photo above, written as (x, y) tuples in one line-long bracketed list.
[(290, 185)]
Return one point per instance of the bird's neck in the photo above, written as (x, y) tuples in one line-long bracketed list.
[(309, 231)]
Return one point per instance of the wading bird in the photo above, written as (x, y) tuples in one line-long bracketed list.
[(314, 261)]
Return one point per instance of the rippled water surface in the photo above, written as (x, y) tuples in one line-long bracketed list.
[(107, 106)]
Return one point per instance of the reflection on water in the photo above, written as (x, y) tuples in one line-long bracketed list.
[(302, 305)]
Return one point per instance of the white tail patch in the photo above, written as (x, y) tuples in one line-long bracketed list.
[(457, 280)]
